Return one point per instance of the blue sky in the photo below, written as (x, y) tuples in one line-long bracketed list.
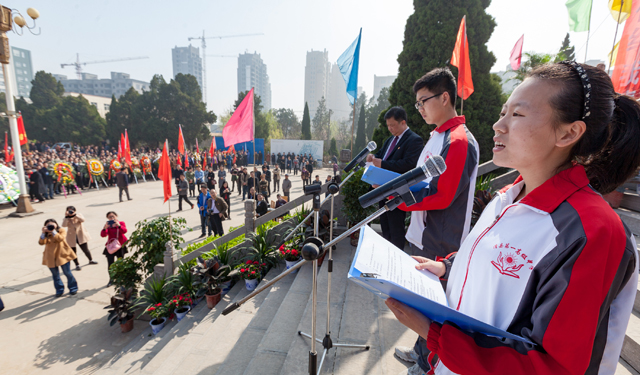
[(109, 29)]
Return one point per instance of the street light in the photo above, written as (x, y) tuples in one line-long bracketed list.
[(6, 24)]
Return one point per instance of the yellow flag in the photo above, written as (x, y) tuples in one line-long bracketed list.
[(620, 9), (613, 54)]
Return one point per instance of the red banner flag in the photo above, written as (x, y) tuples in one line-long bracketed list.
[(626, 74), (127, 149), (164, 172), (179, 160), (186, 160), (239, 128), (460, 59), (516, 54), (181, 141), (204, 161), (21, 132), (212, 148), (119, 150), (197, 147)]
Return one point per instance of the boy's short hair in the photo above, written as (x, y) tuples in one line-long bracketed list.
[(437, 81)]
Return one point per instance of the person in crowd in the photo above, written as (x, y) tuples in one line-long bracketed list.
[(264, 186), (36, 186), (225, 194), (399, 154), (243, 177), (211, 179), (267, 173), (296, 166), (252, 193), (336, 168), (328, 180), (317, 180), (122, 181), (276, 178), (47, 180), (310, 166), (58, 253), (286, 187), (234, 178), (203, 198), (216, 207), (261, 206), (77, 234), (252, 182), (222, 175), (191, 180), (305, 177), (257, 175), (182, 193), (114, 230), (199, 175)]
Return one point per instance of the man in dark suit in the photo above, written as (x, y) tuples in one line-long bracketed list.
[(399, 154), (122, 181)]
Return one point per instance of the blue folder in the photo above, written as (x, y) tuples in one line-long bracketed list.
[(378, 176), (433, 310)]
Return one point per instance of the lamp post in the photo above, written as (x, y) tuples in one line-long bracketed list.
[(6, 24)]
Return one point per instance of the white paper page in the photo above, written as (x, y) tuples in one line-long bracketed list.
[(379, 256)]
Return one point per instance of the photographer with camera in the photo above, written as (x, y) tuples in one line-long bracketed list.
[(77, 234), (58, 253), (116, 242)]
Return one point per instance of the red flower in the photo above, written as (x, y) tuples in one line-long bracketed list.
[(294, 252), (151, 308), (264, 264), (242, 270), (158, 304), (281, 247), (253, 272)]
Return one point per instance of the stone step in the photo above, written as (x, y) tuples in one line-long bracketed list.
[(139, 356), (245, 348), (630, 218), (207, 346), (631, 347), (625, 369)]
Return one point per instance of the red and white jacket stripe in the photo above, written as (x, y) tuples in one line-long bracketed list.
[(558, 267)]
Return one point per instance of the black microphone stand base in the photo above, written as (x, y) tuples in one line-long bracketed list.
[(327, 344)]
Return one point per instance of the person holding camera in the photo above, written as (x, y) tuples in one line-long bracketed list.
[(58, 253), (77, 234), (116, 246), (217, 208)]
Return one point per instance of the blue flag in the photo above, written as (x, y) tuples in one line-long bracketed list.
[(348, 63)]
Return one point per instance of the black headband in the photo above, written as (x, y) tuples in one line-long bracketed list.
[(586, 86)]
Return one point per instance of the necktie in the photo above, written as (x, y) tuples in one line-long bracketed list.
[(393, 145)]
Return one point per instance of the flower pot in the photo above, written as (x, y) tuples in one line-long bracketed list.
[(226, 287), (291, 263), (181, 312), (157, 325), (212, 300), (251, 284), (128, 326), (355, 237)]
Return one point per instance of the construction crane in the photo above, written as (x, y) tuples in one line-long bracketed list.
[(79, 64), (204, 55)]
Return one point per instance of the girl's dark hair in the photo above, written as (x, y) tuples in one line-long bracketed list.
[(111, 212), (609, 149), (71, 208), (51, 221)]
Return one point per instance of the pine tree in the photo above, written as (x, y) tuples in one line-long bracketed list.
[(361, 133), (429, 39), (306, 123), (567, 51), (333, 149)]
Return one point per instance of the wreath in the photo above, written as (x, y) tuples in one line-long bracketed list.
[(145, 163), (64, 172), (115, 165), (95, 167), (9, 186)]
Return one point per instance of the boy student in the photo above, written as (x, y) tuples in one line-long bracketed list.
[(441, 218)]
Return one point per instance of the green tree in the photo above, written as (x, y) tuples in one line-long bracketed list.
[(429, 39), (289, 123), (532, 61), (306, 123), (46, 91), (320, 123), (123, 114), (374, 109), (333, 149), (189, 85), (567, 51), (361, 136)]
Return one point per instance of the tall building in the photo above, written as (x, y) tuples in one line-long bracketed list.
[(252, 72), (22, 68), (187, 60), (316, 78), (380, 82), (337, 99), (90, 84)]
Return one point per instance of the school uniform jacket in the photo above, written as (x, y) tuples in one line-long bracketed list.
[(558, 267), (441, 218)]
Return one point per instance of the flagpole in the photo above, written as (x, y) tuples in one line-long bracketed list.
[(353, 124), (589, 32), (615, 36)]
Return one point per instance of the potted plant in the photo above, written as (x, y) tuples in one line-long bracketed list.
[(125, 274), (159, 314), (180, 305), (212, 275), (156, 291), (122, 310), (263, 248), (186, 282), (251, 272), (149, 240)]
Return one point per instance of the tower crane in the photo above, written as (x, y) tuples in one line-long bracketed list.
[(204, 54), (79, 64)]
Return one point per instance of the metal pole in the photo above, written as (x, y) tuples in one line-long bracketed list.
[(353, 124), (589, 32), (24, 205), (615, 36)]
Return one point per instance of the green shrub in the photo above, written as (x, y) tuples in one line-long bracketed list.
[(150, 238)]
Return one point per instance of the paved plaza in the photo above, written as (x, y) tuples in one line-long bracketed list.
[(70, 335)]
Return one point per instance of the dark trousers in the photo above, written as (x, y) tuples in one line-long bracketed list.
[(420, 348), (228, 207), (85, 250), (216, 224), (286, 194), (183, 198), (72, 284), (112, 258), (126, 190), (234, 182), (245, 190), (392, 224), (276, 185), (205, 224)]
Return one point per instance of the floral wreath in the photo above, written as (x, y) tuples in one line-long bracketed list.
[(64, 172), (95, 167), (115, 165), (9, 187), (145, 162)]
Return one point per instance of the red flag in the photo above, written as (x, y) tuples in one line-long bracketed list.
[(164, 172), (516, 54), (625, 74), (197, 148), (119, 150), (179, 160), (204, 162), (122, 148), (21, 132), (460, 59), (239, 128), (181, 141), (212, 148), (186, 161), (126, 148), (6, 148)]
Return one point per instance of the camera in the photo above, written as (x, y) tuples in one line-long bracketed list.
[(51, 227), (111, 222)]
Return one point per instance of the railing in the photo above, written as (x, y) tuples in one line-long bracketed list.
[(499, 181)]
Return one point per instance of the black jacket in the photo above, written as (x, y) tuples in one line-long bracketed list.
[(262, 208), (405, 155), (122, 180)]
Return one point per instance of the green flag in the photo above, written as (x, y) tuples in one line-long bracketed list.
[(579, 14)]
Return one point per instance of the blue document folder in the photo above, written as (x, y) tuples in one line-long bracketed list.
[(432, 309), (378, 176)]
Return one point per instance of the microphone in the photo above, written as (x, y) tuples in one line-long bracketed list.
[(361, 156), (434, 166)]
